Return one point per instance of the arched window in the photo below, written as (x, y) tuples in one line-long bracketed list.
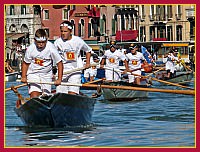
[(24, 28), (81, 28), (73, 30), (12, 28), (103, 24)]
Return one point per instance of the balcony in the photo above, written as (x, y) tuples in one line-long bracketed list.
[(178, 16), (151, 17)]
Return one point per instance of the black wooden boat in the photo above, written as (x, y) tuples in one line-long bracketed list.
[(57, 110), (11, 76)]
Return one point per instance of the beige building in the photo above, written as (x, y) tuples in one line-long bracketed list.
[(159, 27)]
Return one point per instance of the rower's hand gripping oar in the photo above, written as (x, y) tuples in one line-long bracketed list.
[(79, 69), (21, 99)]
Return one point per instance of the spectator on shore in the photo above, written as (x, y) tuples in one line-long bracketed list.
[(8, 68)]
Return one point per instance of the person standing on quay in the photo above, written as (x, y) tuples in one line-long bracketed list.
[(112, 58), (69, 47), (37, 65)]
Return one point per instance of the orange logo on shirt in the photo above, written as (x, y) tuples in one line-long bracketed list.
[(112, 60), (39, 61), (134, 62), (70, 55)]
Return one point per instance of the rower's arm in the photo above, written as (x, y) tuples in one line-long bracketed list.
[(60, 70), (24, 71)]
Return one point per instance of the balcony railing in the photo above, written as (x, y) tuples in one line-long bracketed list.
[(178, 16)]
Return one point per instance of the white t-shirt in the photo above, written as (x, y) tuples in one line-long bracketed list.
[(70, 51), (135, 60), (169, 65), (113, 58), (41, 61)]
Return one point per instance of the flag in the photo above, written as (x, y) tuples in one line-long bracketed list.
[(146, 54)]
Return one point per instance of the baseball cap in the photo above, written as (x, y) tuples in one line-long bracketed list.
[(132, 46), (112, 44)]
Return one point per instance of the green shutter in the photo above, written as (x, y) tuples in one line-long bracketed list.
[(113, 27), (101, 26)]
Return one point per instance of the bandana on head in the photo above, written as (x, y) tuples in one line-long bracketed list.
[(40, 38), (67, 25)]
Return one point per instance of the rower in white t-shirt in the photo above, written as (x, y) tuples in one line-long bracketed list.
[(112, 58), (37, 65), (69, 47), (134, 65)]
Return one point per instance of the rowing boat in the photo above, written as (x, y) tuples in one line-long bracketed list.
[(58, 110), (123, 95), (181, 77), (11, 76)]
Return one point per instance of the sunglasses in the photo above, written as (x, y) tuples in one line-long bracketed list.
[(112, 46)]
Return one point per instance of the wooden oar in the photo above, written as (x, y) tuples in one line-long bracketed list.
[(170, 83), (186, 92), (21, 99), (79, 69), (166, 82), (18, 86), (155, 72), (187, 81), (186, 67), (90, 82)]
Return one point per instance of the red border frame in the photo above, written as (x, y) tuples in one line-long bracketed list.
[(2, 149)]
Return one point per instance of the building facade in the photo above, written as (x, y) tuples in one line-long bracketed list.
[(99, 24), (21, 22)]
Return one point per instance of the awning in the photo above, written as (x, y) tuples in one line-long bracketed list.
[(94, 47), (126, 35), (175, 44), (14, 36)]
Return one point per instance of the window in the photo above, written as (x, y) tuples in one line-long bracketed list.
[(179, 32), (142, 12), (142, 34), (73, 7), (73, 30), (169, 33), (65, 14), (23, 9), (46, 14), (152, 13), (152, 32), (169, 12), (47, 32), (89, 30), (113, 26), (178, 15), (160, 12), (12, 8), (81, 28)]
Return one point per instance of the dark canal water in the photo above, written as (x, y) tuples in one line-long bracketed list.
[(161, 120)]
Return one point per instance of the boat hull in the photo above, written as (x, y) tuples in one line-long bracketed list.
[(181, 77), (59, 110), (122, 95), (11, 76)]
